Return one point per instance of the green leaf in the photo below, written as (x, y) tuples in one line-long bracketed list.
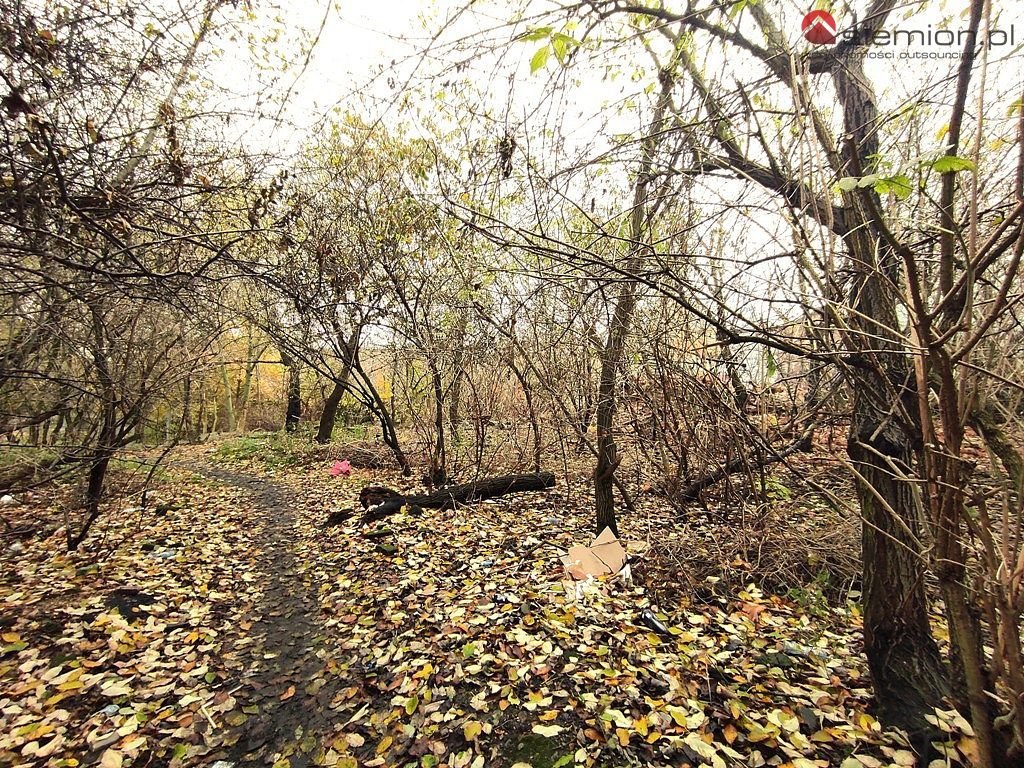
[(898, 185), (952, 164), (412, 704), (847, 183), (540, 33), (540, 58), (737, 8), (561, 48)]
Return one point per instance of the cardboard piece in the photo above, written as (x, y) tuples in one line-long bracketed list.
[(606, 556)]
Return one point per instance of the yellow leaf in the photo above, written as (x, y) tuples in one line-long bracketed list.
[(678, 714), (622, 735), (730, 733), (968, 747), (471, 729), (111, 759)]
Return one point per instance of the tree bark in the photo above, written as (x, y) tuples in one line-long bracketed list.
[(907, 669), (329, 415), (293, 410)]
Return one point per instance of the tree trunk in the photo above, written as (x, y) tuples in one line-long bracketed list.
[(906, 667), (607, 451), (375, 404), (186, 410), (106, 440), (611, 357), (330, 413), (293, 409), (229, 399)]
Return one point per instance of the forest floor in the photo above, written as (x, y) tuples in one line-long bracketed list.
[(225, 625)]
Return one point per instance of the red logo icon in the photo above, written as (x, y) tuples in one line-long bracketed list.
[(819, 27)]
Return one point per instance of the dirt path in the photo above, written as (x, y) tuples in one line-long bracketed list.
[(282, 680)]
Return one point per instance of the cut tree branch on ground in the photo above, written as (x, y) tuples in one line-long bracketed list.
[(381, 502), (694, 488)]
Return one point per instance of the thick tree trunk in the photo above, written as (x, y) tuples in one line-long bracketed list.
[(907, 670), (382, 502), (329, 415)]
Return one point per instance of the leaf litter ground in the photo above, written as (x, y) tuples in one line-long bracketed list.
[(236, 629)]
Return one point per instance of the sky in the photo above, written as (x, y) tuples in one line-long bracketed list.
[(368, 54)]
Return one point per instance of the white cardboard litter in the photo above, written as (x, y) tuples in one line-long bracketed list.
[(606, 556)]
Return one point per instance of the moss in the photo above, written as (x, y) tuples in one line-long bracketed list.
[(273, 449)]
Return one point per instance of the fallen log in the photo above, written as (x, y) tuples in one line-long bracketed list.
[(693, 489), (381, 502)]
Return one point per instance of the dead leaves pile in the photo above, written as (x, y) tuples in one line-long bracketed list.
[(459, 648)]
